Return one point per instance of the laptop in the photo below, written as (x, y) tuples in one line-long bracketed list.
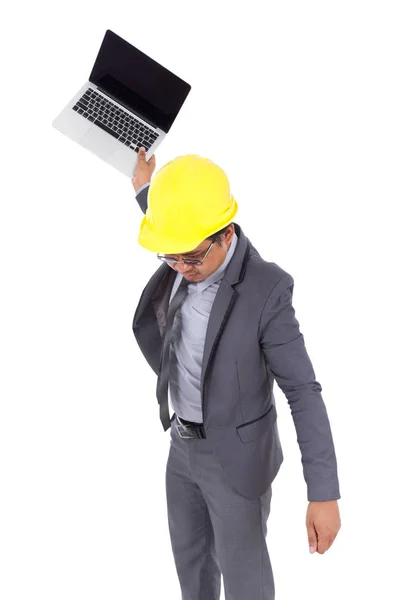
[(129, 101)]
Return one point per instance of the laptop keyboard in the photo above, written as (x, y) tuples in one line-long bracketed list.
[(119, 123)]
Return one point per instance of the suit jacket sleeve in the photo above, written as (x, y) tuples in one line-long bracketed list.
[(284, 350), (141, 196)]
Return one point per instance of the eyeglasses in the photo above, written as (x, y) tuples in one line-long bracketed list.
[(186, 261)]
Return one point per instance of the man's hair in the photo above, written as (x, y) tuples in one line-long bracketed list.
[(217, 236)]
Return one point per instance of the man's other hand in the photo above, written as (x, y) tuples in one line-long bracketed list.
[(144, 169), (323, 524)]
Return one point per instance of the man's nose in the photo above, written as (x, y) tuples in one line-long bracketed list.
[(183, 267)]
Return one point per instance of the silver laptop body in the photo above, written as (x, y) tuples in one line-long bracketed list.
[(129, 101)]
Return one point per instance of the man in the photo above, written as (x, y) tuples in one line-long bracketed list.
[(217, 326)]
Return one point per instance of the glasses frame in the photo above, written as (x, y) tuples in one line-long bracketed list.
[(187, 261)]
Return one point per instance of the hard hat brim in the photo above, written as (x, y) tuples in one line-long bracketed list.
[(173, 242)]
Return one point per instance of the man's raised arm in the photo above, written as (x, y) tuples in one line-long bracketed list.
[(142, 177)]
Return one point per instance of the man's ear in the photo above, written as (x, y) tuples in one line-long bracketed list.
[(229, 233)]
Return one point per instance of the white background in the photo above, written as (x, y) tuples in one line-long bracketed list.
[(299, 103)]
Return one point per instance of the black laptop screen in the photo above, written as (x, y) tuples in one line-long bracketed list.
[(138, 82)]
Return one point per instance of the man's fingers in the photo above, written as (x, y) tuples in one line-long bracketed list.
[(312, 538), (327, 543), (317, 541), (322, 545), (142, 154), (142, 157)]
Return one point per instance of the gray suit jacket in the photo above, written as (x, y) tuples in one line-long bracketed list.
[(252, 339)]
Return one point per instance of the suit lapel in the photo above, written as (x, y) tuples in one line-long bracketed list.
[(224, 300), (221, 308), (151, 290), (160, 299)]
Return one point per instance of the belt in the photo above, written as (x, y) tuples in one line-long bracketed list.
[(189, 429)]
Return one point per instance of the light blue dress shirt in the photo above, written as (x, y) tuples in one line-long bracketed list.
[(188, 337), (187, 341)]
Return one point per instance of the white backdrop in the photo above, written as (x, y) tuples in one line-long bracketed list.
[(299, 103)]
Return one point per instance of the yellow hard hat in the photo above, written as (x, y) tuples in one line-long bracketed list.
[(189, 199)]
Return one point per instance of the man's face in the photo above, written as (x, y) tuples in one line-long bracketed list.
[(213, 260)]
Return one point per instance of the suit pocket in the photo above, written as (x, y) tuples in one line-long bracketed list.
[(253, 429)]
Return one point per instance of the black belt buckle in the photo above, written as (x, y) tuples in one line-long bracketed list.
[(188, 431), (183, 430)]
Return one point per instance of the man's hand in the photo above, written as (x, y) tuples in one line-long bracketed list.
[(323, 524), (144, 169)]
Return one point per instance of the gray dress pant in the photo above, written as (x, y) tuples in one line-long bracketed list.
[(214, 529)]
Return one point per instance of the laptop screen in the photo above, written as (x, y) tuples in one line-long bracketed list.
[(138, 82)]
